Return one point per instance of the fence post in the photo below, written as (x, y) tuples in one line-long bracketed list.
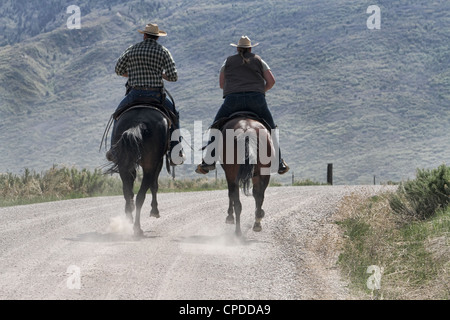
[(330, 174)]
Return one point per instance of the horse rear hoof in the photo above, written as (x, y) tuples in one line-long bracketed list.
[(257, 227), (155, 215), (138, 233), (129, 217), (229, 220)]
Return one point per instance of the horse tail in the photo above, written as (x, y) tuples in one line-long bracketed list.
[(246, 169), (128, 150)]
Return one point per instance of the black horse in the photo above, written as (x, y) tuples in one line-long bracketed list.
[(140, 138)]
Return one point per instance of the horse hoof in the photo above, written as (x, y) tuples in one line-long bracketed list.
[(257, 227), (129, 217), (155, 215), (138, 233), (229, 220)]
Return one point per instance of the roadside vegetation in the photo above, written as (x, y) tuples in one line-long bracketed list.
[(57, 183), (61, 183), (404, 234)]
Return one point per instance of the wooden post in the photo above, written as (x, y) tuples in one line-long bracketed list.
[(173, 173), (374, 181), (330, 174), (293, 178)]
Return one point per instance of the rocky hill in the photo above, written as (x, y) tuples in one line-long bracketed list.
[(372, 102)]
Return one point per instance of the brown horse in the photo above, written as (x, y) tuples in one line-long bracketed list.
[(247, 151)]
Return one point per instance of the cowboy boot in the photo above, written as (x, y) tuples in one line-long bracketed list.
[(204, 167), (282, 166)]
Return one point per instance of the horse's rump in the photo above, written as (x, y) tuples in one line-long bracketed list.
[(252, 149), (221, 122), (140, 133)]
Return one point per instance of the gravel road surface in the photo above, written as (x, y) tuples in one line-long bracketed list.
[(84, 249)]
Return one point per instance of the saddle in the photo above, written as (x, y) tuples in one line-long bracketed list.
[(149, 103), (218, 124)]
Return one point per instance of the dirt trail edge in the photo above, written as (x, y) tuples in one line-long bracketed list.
[(84, 249)]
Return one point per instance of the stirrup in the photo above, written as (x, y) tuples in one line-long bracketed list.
[(204, 168), (282, 167), (200, 170)]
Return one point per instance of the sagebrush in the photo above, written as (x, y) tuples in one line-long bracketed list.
[(422, 197)]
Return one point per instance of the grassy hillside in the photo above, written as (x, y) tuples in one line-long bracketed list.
[(373, 102)]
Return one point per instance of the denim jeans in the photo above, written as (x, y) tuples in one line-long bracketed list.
[(144, 96), (246, 101)]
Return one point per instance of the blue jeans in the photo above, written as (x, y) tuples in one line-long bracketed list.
[(145, 96), (246, 101)]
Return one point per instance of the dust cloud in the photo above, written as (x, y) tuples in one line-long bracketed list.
[(120, 225)]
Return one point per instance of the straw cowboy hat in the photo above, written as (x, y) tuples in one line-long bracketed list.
[(152, 29), (244, 42)]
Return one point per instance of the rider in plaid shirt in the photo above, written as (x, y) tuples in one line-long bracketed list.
[(145, 65)]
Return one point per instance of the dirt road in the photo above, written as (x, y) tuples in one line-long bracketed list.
[(83, 249)]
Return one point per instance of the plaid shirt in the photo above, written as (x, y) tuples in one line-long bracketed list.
[(145, 62)]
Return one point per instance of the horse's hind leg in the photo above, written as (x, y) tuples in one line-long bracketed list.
[(154, 188), (233, 194), (140, 198), (259, 186), (230, 217), (127, 185)]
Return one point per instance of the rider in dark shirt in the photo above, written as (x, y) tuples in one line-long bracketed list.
[(245, 78)]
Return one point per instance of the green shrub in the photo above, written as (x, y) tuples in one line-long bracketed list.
[(422, 197)]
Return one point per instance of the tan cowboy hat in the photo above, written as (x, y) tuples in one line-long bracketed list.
[(244, 42), (152, 29)]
